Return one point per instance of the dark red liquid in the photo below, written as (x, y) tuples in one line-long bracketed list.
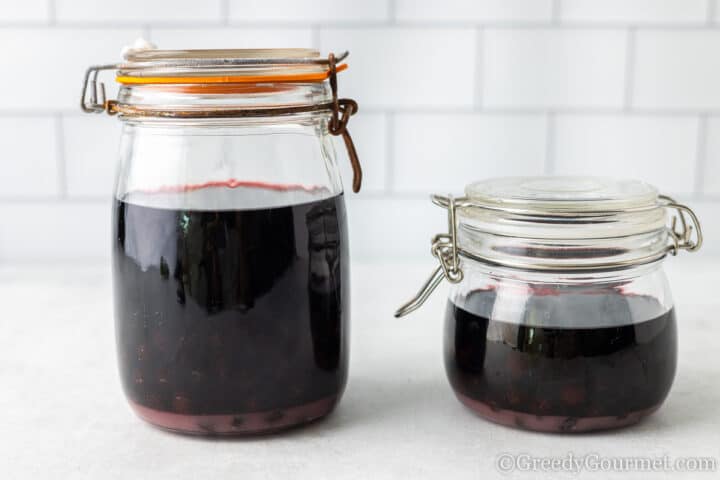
[(562, 379), (232, 321)]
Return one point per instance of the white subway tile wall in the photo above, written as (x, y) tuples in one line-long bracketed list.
[(139, 11), (44, 66), (441, 152), (30, 157), (659, 150), (25, 11), (429, 11), (407, 67), (449, 92), (89, 141), (710, 175), (553, 68), (232, 37), (636, 11), (677, 70), (304, 11)]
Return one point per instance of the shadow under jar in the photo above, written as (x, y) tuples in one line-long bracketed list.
[(230, 248), (560, 317)]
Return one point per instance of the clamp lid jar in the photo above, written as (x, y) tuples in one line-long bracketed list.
[(560, 317), (230, 249)]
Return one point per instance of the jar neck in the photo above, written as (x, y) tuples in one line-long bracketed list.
[(215, 100), (268, 104), (211, 106), (246, 162), (563, 255), (311, 123), (598, 276)]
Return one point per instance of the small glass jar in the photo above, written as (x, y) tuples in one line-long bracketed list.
[(560, 317), (230, 248)]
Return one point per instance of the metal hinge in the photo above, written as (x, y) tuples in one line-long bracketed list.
[(95, 101)]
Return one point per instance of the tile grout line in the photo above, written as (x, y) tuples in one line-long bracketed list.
[(479, 69), (52, 12), (556, 13), (550, 144), (701, 155), (711, 10), (225, 12), (629, 69), (103, 24), (389, 183), (370, 24), (392, 12), (60, 155)]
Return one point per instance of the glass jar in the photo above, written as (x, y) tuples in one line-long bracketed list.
[(229, 246), (560, 317)]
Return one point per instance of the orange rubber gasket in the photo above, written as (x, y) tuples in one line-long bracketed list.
[(304, 77)]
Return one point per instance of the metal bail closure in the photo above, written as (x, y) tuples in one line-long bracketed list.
[(342, 110), (444, 248), (95, 102), (93, 98), (682, 237)]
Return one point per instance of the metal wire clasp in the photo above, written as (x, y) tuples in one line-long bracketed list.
[(682, 237), (342, 110), (444, 248), (684, 231), (97, 102), (93, 99)]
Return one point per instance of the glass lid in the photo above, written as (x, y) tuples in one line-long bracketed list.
[(563, 194), (143, 62), (148, 53), (562, 208)]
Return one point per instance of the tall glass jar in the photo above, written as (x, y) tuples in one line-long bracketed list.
[(560, 317), (229, 246)]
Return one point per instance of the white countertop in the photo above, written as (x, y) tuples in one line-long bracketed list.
[(63, 415)]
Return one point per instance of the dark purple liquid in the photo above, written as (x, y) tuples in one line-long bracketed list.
[(562, 379), (232, 321)]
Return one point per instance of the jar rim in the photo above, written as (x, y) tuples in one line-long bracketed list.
[(147, 65), (562, 208), (221, 83), (564, 223), (561, 222), (206, 77), (564, 194)]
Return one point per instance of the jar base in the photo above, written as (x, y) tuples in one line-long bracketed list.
[(552, 423), (255, 423)]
